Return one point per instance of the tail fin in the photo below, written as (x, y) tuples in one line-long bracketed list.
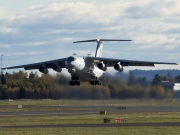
[(99, 44)]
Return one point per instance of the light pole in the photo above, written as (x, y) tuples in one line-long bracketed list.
[(1, 63)]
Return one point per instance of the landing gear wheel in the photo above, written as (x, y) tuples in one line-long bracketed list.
[(74, 83), (95, 82)]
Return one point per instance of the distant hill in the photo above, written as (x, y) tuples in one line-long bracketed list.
[(149, 74)]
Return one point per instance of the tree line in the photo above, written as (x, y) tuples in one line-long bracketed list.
[(20, 85)]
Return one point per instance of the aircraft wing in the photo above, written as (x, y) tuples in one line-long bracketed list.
[(48, 64), (111, 62)]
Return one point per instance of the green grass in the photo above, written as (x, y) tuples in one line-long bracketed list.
[(139, 117), (30, 109), (31, 105), (91, 118), (94, 131), (131, 102)]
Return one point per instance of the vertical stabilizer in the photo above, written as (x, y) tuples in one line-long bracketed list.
[(99, 48)]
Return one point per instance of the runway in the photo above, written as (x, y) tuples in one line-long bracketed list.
[(78, 110), (162, 124)]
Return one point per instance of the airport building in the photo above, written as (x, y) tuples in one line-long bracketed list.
[(176, 89), (172, 86)]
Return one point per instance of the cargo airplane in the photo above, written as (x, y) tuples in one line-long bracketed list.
[(87, 68)]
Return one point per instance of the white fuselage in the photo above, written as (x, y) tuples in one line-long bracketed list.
[(82, 68)]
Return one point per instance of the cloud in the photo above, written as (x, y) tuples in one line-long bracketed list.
[(6, 30), (32, 44), (2, 13), (4, 46), (153, 26), (25, 54)]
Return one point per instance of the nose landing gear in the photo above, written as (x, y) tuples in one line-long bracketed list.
[(74, 81)]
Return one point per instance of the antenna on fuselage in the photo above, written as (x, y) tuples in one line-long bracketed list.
[(99, 44)]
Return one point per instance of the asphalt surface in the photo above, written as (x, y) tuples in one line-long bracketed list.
[(164, 124), (75, 110), (79, 110)]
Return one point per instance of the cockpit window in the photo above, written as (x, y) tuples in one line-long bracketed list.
[(71, 59)]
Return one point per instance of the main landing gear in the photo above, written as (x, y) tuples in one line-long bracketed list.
[(74, 81), (95, 82)]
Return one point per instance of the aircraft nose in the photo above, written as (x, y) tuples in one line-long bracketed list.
[(69, 64)]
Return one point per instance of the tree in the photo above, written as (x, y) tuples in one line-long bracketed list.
[(142, 81), (19, 75), (22, 93), (157, 92), (3, 79), (19, 86), (131, 79), (156, 80), (32, 75), (177, 78)]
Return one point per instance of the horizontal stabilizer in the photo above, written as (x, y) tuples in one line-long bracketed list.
[(100, 40)]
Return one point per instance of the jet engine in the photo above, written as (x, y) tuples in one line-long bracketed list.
[(43, 69), (102, 66), (56, 67), (118, 67)]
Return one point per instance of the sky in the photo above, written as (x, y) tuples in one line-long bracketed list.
[(34, 31)]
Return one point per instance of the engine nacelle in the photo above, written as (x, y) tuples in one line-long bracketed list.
[(102, 66), (43, 69), (118, 67), (56, 67)]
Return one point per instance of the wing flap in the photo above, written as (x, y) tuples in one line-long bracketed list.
[(141, 64)]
